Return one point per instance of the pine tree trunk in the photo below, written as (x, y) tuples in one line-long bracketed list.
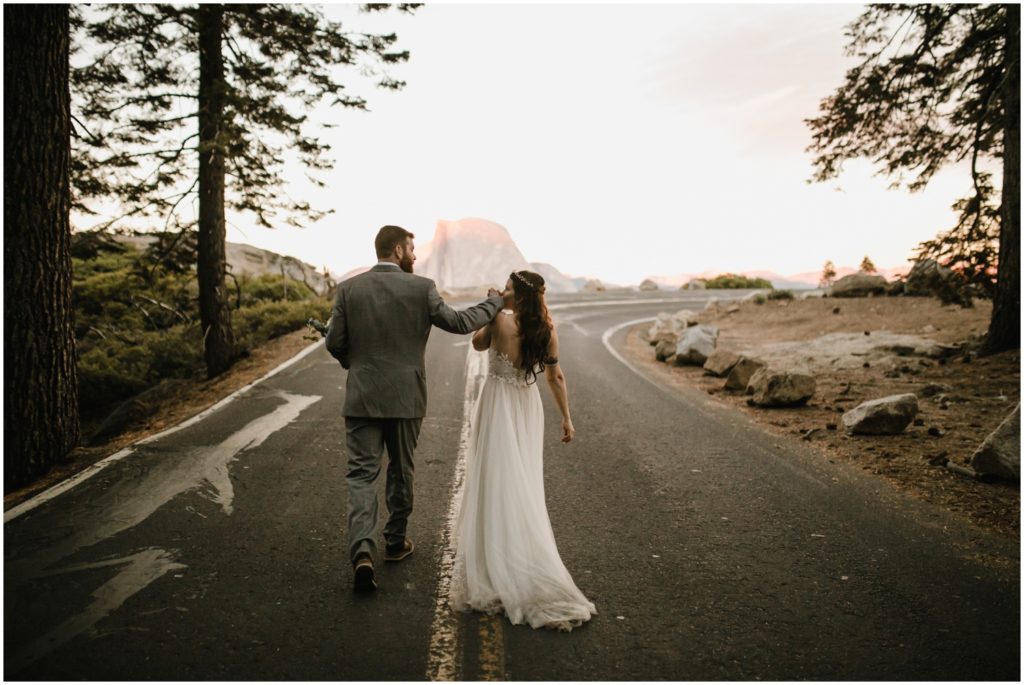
[(214, 310), (1004, 328), (40, 379)]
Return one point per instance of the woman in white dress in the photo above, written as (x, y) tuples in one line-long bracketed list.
[(506, 558)]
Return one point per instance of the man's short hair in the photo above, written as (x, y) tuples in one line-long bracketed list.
[(388, 237)]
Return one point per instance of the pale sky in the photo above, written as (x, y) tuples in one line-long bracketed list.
[(612, 141)]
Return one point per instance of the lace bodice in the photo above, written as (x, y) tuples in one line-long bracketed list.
[(500, 367)]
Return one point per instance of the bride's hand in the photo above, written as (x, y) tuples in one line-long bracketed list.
[(568, 432)]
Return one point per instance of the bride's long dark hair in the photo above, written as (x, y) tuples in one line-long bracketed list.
[(534, 322)]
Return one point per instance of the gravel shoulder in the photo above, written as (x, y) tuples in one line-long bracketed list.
[(825, 337)]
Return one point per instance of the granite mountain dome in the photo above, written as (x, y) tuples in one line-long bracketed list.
[(469, 255)]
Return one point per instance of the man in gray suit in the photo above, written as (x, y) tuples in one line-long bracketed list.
[(378, 331)]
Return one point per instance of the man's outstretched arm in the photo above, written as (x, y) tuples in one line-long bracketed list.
[(464, 320)]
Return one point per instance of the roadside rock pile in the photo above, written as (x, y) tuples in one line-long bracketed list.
[(679, 340)]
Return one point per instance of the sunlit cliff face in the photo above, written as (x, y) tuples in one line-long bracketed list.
[(470, 253)]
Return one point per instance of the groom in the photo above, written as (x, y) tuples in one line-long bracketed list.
[(378, 331)]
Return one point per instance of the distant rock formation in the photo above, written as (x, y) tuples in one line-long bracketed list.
[(858, 285), (469, 255), (555, 280), (648, 285), (255, 261)]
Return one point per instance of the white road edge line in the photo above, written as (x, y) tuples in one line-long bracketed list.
[(607, 337), (443, 656), (82, 476)]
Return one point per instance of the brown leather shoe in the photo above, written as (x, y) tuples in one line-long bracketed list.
[(364, 575), (401, 553)]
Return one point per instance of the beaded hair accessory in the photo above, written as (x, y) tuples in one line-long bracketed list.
[(518, 277)]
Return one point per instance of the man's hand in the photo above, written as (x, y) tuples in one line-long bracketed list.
[(491, 292)]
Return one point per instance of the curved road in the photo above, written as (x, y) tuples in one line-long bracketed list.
[(712, 550)]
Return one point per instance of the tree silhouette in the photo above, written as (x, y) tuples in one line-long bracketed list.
[(936, 85), (828, 275), (202, 102)]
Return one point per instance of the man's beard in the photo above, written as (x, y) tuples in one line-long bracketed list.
[(406, 264)]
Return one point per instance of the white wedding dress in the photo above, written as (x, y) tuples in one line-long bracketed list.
[(506, 558)]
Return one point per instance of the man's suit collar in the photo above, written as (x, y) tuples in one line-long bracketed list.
[(386, 266)]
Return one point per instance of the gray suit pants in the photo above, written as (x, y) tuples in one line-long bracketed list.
[(366, 439)]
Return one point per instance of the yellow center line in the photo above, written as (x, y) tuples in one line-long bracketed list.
[(444, 659)]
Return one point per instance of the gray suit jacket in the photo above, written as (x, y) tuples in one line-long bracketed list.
[(378, 331)]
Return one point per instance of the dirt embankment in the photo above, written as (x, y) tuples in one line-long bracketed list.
[(969, 396)]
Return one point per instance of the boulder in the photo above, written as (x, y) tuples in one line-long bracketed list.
[(670, 326), (896, 288), (928, 278), (775, 388), (720, 363), (664, 349), (884, 416), (858, 285), (732, 309), (999, 454), (661, 329), (696, 344), (685, 318), (695, 284), (648, 285), (741, 372), (712, 305)]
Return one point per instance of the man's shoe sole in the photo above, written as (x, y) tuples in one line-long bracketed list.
[(364, 581), (401, 555)]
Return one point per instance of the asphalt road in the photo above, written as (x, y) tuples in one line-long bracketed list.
[(712, 550)]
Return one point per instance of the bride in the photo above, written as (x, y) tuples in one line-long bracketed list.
[(506, 558)]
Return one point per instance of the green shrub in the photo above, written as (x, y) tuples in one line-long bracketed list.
[(759, 299), (176, 353), (106, 377), (268, 320), (731, 281), (137, 322), (780, 295), (272, 288)]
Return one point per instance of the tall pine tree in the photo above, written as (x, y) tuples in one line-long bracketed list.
[(202, 102), (40, 382), (937, 85)]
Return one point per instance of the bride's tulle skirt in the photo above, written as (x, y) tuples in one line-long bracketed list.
[(506, 558)]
